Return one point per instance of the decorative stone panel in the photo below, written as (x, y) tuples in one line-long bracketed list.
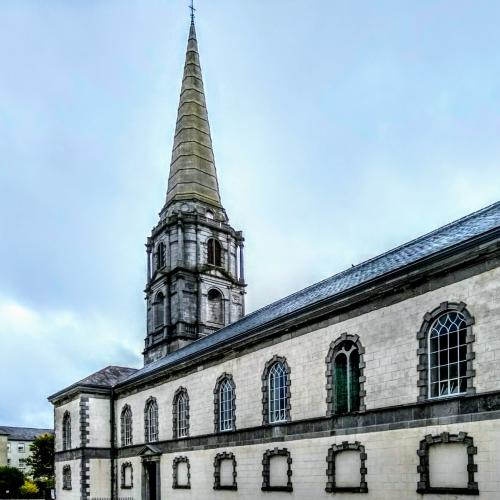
[(220, 379), (423, 350), (66, 477), (217, 471), (266, 470), (175, 464), (265, 389), (334, 450), (424, 485), (330, 382), (123, 476)]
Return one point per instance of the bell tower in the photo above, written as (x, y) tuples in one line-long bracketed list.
[(195, 282)]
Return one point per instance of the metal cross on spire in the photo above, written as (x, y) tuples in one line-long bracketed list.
[(193, 10)]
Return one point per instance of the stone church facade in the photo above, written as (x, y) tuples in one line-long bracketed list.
[(380, 382)]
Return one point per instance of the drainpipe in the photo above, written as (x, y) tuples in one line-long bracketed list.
[(112, 443)]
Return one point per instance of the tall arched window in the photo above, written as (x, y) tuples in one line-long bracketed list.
[(276, 395), (215, 307), (159, 311), (346, 378), (225, 407), (160, 255), (447, 346), (66, 431), (151, 420), (180, 412), (214, 252), (126, 425), (446, 352)]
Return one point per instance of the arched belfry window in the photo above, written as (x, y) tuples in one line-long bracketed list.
[(344, 375), (159, 310), (215, 307), (161, 254), (214, 252), (66, 431), (276, 394), (126, 425), (180, 411), (446, 352), (225, 403), (151, 420)]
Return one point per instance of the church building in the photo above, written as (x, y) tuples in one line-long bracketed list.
[(380, 382)]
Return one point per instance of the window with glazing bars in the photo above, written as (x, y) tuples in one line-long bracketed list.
[(278, 377), (151, 424), (448, 355), (226, 406), (346, 378), (182, 415), (126, 422), (66, 431)]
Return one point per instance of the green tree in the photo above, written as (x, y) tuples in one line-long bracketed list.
[(11, 480), (41, 460)]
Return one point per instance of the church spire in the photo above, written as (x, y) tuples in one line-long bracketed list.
[(192, 169)]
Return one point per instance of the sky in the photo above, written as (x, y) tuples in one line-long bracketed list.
[(341, 129)]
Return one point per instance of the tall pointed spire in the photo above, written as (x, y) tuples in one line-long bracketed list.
[(192, 169)]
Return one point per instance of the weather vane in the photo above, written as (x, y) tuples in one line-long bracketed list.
[(193, 10)]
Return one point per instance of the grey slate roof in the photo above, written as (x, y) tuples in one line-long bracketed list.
[(446, 237), (107, 377), (23, 433)]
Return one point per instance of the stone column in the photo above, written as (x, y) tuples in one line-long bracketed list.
[(148, 251), (197, 229), (242, 269), (180, 244), (168, 260), (199, 311)]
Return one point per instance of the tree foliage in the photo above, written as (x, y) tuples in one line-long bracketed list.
[(11, 480), (41, 461)]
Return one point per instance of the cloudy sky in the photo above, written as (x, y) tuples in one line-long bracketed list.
[(341, 129)]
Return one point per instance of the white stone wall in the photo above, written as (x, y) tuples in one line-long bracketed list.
[(74, 493), (392, 466), (100, 478), (74, 409), (99, 427), (389, 337), (135, 491)]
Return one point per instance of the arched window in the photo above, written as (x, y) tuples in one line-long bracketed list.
[(66, 431), (159, 311), (215, 307), (447, 346), (160, 255), (225, 403), (151, 420), (446, 352), (66, 477), (344, 371), (126, 425), (180, 412), (276, 394), (214, 252)]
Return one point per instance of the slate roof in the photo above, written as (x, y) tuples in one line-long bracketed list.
[(23, 433), (107, 377), (446, 237)]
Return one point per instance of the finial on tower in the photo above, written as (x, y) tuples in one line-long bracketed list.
[(193, 10)]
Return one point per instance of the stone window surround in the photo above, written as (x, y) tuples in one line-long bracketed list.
[(123, 484), (175, 463), (151, 400), (180, 390), (66, 431), (423, 354), (126, 407), (266, 470), (333, 451), (66, 475), (330, 382), (217, 461), (220, 379), (265, 390), (424, 486)]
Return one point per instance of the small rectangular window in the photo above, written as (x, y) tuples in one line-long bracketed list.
[(21, 448)]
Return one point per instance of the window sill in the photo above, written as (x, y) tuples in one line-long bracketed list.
[(448, 491), (181, 487), (123, 487), (226, 488), (277, 488), (347, 489)]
